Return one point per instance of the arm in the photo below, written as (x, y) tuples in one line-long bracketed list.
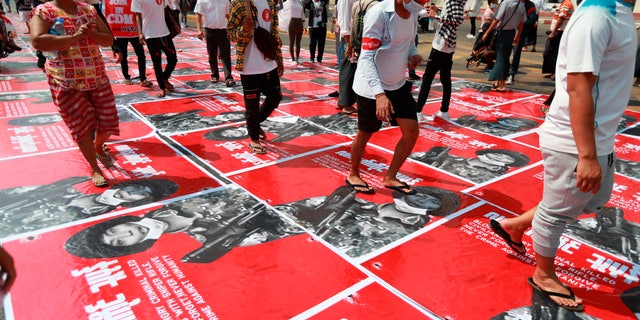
[(199, 20), (581, 113), (7, 269), (102, 36), (43, 41), (487, 32), (138, 16)]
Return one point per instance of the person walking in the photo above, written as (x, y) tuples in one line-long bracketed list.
[(348, 63), (212, 15), (472, 9), (86, 103), (317, 23), (296, 29), (593, 86), (554, 36), (125, 31), (260, 71), (384, 94), (509, 20), (154, 33), (527, 29), (441, 55)]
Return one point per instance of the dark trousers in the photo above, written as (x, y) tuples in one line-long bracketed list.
[(317, 37), (550, 54), (156, 46), (346, 97), (122, 44), (473, 25), (504, 44), (438, 61), (517, 51), (217, 40), (253, 85)]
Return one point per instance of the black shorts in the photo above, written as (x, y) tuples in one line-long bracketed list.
[(404, 106)]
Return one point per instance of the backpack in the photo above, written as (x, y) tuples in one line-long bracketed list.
[(357, 17)]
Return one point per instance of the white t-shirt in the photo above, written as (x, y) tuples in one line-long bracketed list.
[(387, 43), (254, 61), (214, 13), (153, 23), (600, 38)]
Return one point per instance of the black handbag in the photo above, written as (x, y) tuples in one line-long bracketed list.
[(265, 42), (172, 24)]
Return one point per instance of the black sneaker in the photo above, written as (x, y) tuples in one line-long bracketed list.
[(414, 77), (334, 94)]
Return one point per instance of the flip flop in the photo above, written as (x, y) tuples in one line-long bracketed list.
[(106, 160), (549, 294), (259, 149), (402, 189), (353, 186), (515, 246), (169, 86), (99, 181)]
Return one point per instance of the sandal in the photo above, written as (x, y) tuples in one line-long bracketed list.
[(128, 82), (496, 89), (231, 83), (214, 80), (99, 181), (106, 159), (169, 86), (262, 135), (162, 93), (257, 149), (146, 83)]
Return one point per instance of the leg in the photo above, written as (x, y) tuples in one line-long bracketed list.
[(270, 87), (516, 227), (172, 60), (433, 66), (88, 152), (154, 47), (445, 79), (225, 53), (142, 59), (473, 26), (313, 41), (251, 90), (292, 47), (124, 64), (357, 151), (409, 129), (212, 52), (322, 37)]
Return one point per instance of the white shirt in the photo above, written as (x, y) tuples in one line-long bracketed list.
[(473, 6), (153, 23), (604, 43), (254, 61), (214, 13), (344, 16), (297, 11), (383, 67)]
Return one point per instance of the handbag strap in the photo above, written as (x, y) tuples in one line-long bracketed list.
[(512, 13)]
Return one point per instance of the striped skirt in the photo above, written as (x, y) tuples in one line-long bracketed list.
[(86, 111)]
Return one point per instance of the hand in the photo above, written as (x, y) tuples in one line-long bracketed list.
[(8, 269), (200, 35), (117, 56), (248, 27), (589, 175), (141, 38), (384, 109), (414, 61), (349, 52)]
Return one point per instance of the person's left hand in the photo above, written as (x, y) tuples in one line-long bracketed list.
[(384, 109), (414, 61), (589, 175), (117, 56)]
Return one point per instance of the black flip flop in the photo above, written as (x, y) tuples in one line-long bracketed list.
[(515, 246), (353, 186), (402, 189), (549, 294)]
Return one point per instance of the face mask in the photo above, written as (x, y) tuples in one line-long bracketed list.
[(493, 6), (412, 6)]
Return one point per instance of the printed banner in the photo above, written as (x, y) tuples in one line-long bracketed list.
[(219, 255)]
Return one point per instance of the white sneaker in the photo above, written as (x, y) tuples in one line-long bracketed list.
[(470, 36), (420, 117), (443, 115), (510, 80)]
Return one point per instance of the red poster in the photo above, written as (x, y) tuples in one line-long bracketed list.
[(312, 191), (188, 114), (55, 188), (220, 255), (26, 103), (370, 302), (463, 152), (23, 82), (493, 279), (225, 148), (306, 90), (627, 150), (531, 106)]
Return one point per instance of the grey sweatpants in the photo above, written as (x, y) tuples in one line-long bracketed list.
[(562, 202)]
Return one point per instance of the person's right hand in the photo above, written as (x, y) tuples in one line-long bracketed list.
[(589, 175), (200, 35), (7, 270), (141, 38)]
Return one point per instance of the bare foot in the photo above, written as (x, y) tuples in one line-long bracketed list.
[(397, 185), (513, 229), (98, 179), (554, 285), (356, 183)]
